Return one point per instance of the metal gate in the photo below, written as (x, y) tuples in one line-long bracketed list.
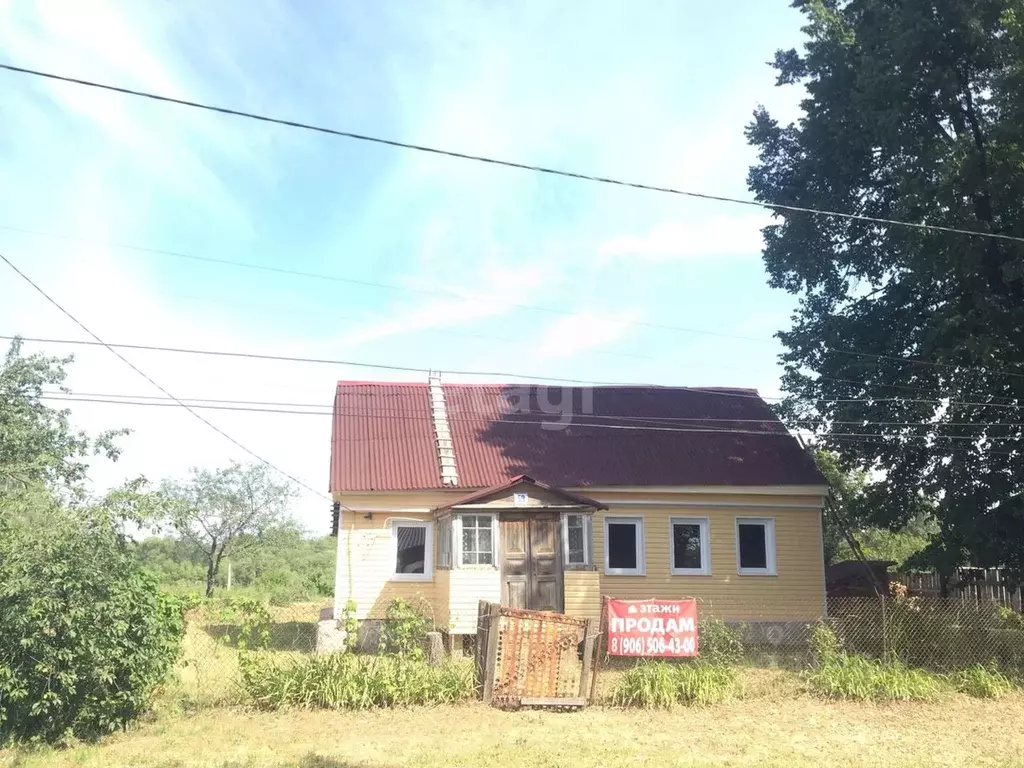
[(533, 658)]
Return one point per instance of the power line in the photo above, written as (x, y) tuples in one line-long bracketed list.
[(379, 366), (327, 410), (505, 163), (525, 307), (722, 392), (139, 371), (581, 422)]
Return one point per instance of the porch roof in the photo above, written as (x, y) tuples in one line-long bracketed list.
[(574, 499)]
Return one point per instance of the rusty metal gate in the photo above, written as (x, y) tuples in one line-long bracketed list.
[(533, 658)]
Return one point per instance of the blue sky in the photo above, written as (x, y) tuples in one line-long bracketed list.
[(657, 92)]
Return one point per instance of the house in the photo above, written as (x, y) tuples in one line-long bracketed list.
[(550, 497)]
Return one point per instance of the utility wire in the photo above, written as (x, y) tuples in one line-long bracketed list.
[(581, 421), (505, 163), (722, 392), (525, 307), (327, 409), (141, 373)]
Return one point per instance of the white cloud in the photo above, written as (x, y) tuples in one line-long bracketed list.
[(677, 239), (584, 331)]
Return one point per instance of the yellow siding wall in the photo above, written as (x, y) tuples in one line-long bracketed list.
[(365, 562), (797, 592), (468, 587), (583, 594)]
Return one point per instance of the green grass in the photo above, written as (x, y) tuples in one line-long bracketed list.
[(857, 677), (350, 681), (982, 682), (660, 685), (776, 725)]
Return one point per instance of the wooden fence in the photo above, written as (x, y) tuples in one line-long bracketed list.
[(974, 585), (532, 658)]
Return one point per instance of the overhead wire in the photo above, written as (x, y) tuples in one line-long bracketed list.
[(149, 379), (717, 391), (584, 421), (500, 162)]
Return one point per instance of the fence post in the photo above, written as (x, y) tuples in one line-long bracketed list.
[(491, 659), (885, 630), (589, 640), (599, 646)]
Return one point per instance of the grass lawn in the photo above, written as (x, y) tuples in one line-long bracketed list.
[(773, 724)]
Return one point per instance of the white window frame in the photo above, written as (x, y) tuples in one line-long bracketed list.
[(441, 525), (705, 546), (457, 541), (428, 550), (769, 546), (588, 540), (641, 562)]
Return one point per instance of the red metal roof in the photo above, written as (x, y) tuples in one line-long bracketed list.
[(602, 436)]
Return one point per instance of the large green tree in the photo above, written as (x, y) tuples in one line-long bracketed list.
[(907, 349), (37, 442), (227, 512)]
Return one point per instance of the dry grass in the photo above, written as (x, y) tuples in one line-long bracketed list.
[(772, 726)]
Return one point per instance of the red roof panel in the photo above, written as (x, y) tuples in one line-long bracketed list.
[(566, 436)]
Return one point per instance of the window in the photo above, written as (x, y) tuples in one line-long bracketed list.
[(755, 546), (412, 555), (576, 532), (690, 546), (444, 542), (624, 546), (477, 539)]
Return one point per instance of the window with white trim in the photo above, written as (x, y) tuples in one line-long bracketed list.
[(755, 546), (689, 546), (444, 542), (477, 539), (624, 546), (577, 533), (412, 550)]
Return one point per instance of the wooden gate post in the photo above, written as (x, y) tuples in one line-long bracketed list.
[(589, 639), (491, 659), (599, 646)]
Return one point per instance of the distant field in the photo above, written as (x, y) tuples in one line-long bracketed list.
[(774, 724)]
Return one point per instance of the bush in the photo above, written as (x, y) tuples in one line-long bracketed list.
[(982, 682), (85, 633), (840, 675), (660, 684), (348, 681), (405, 629), (719, 643)]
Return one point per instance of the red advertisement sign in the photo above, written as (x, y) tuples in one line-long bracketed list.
[(652, 627)]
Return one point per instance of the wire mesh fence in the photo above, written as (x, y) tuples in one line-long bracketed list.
[(940, 634), (208, 672)]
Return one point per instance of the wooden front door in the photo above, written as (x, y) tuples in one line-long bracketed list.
[(531, 561)]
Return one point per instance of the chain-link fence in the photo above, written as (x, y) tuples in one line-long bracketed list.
[(208, 674), (940, 634)]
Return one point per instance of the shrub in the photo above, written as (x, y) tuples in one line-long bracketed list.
[(348, 681), (719, 643), (661, 684), (85, 633), (405, 629), (983, 682)]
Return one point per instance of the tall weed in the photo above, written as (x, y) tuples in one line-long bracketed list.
[(660, 685), (719, 643), (349, 681), (840, 675), (982, 682)]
